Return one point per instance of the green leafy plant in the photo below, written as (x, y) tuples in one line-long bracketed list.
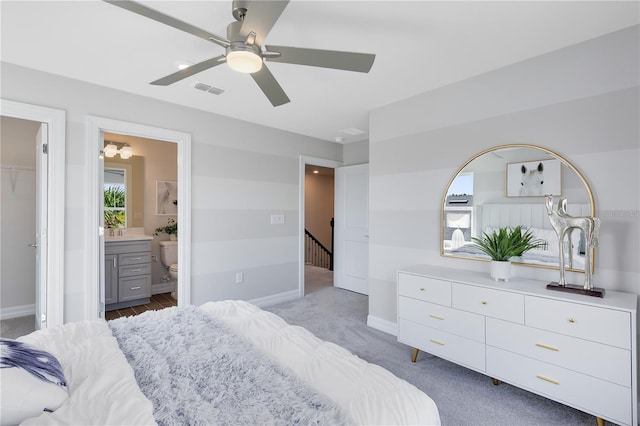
[(170, 228), (114, 197), (505, 243)]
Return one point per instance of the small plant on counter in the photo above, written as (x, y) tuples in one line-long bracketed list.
[(170, 228)]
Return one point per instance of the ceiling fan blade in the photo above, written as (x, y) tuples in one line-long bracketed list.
[(260, 18), (270, 87), (348, 61), (140, 9), (188, 72)]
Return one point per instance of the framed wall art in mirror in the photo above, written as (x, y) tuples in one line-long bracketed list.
[(480, 197)]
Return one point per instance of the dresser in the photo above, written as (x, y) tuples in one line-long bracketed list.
[(127, 266), (577, 350)]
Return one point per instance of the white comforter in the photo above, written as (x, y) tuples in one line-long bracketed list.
[(103, 388), (368, 393)]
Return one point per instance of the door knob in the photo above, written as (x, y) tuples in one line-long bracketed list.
[(34, 245)]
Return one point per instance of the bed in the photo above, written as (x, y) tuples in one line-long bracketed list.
[(133, 371)]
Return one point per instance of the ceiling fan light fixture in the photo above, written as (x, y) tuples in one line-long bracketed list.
[(244, 61)]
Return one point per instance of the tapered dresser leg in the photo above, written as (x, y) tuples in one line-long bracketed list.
[(496, 382), (414, 357), (599, 421)]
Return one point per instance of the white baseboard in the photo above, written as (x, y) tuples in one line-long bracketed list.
[(276, 298), (382, 325), (17, 311)]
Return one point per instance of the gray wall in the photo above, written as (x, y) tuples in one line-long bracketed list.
[(241, 173), (581, 102)]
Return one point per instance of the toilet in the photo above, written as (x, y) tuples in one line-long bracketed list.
[(169, 259)]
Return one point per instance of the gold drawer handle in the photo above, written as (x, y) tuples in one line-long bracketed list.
[(546, 379), (571, 320), (484, 302), (437, 342), (551, 348), (421, 288), (438, 317)]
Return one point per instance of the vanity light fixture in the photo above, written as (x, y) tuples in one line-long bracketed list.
[(111, 150), (125, 152)]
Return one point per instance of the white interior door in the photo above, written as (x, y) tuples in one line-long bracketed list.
[(41, 238), (351, 261), (101, 230)]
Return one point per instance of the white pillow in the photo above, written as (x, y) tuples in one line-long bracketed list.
[(31, 381)]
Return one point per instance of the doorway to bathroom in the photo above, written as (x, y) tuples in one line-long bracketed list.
[(140, 178), (134, 247)]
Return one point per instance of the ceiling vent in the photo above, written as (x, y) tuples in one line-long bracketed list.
[(205, 87)]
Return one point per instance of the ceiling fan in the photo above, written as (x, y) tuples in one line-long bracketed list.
[(244, 46)]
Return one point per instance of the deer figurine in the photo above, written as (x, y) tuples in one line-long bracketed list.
[(563, 224)]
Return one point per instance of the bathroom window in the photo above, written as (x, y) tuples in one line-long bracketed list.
[(115, 199)]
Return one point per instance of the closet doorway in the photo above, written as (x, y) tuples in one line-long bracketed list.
[(36, 168)]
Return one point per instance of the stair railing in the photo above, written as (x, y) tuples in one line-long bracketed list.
[(315, 253)]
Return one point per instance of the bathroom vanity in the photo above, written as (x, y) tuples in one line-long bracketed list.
[(127, 266)]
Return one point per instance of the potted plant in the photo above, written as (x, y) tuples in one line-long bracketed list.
[(170, 228), (503, 244)]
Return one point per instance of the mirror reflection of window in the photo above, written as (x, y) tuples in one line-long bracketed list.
[(459, 212), (115, 199)]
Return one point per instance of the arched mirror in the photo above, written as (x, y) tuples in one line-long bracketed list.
[(505, 187)]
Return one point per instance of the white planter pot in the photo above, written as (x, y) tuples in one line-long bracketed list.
[(500, 271), (173, 237)]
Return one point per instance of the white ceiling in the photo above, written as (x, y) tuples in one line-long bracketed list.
[(420, 45)]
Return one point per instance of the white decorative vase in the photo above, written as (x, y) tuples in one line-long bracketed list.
[(500, 270), (173, 237)]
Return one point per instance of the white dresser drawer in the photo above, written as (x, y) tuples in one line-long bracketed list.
[(461, 323), (598, 324), (598, 360), (485, 301), (581, 391), (437, 342), (424, 288)]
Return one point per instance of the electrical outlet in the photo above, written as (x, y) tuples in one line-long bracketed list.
[(239, 277), (277, 219)]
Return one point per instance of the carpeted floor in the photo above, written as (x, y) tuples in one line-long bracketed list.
[(464, 397)]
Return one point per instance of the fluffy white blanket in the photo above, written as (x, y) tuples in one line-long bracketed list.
[(196, 371)]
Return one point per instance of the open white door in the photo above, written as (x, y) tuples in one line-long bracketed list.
[(351, 261), (101, 264), (42, 239)]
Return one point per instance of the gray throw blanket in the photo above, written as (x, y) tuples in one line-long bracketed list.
[(196, 371)]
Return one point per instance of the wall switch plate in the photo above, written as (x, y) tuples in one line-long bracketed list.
[(277, 219), (239, 277)]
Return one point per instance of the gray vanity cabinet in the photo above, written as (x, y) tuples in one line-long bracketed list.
[(127, 273), (110, 279)]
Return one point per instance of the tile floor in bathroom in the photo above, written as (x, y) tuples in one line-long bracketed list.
[(158, 301)]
